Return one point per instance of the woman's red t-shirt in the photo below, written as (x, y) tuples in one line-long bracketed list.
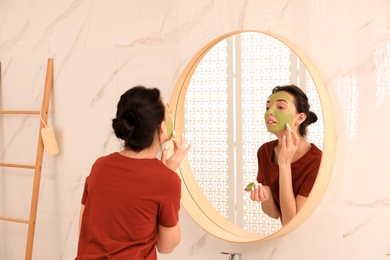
[(125, 200), (304, 170)]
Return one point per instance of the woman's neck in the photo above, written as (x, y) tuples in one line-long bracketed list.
[(303, 148), (147, 153)]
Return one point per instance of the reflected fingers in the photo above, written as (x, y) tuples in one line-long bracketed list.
[(254, 194), (259, 193)]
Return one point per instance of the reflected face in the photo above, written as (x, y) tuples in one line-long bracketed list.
[(280, 110), (169, 120)]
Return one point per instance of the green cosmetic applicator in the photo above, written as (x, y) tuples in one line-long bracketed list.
[(250, 186)]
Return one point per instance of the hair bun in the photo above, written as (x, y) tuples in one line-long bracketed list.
[(312, 117), (122, 128)]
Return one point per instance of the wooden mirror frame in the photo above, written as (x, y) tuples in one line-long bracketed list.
[(193, 199)]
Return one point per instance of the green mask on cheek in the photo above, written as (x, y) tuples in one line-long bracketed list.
[(169, 121), (281, 116)]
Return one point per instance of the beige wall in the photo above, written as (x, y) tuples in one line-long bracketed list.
[(101, 48)]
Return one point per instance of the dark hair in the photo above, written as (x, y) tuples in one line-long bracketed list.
[(301, 103), (140, 112)]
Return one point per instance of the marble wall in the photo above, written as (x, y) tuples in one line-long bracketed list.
[(101, 48)]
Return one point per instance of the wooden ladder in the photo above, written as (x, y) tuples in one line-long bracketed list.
[(42, 116)]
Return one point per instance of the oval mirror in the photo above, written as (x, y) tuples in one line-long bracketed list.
[(219, 103)]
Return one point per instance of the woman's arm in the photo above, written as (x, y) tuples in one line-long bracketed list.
[(289, 205), (168, 238), (81, 216), (269, 206), (263, 194), (287, 199)]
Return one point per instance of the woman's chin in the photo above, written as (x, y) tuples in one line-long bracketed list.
[(276, 129)]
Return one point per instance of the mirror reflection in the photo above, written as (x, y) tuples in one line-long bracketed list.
[(224, 111)]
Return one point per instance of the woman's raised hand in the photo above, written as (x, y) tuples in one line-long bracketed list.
[(179, 152), (290, 143)]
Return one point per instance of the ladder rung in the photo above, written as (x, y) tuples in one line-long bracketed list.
[(14, 220), (20, 112), (17, 165)]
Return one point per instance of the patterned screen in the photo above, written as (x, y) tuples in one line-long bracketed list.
[(224, 110)]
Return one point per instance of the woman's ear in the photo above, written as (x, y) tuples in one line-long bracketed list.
[(163, 127), (164, 132), (301, 117)]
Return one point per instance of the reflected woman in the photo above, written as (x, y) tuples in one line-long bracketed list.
[(288, 166)]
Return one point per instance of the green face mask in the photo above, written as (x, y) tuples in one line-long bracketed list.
[(169, 121), (280, 106)]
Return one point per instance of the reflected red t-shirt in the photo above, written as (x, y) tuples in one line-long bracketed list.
[(125, 200), (304, 170)]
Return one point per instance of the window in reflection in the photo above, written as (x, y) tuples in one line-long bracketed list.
[(224, 122)]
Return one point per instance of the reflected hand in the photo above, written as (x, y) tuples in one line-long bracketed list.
[(179, 152), (260, 193), (290, 144)]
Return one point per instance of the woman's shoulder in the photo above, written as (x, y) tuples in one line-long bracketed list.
[(104, 158), (315, 150), (312, 156), (165, 175)]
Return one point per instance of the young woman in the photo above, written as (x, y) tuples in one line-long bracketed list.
[(288, 166), (131, 199)]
